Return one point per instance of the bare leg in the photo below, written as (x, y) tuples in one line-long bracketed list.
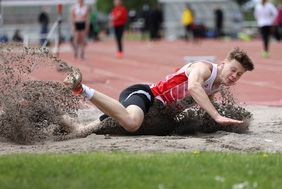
[(85, 130), (76, 43), (130, 118), (78, 130), (81, 42)]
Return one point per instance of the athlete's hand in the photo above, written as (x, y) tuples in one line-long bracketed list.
[(227, 121)]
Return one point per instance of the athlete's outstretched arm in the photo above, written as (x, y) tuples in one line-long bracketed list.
[(197, 75)]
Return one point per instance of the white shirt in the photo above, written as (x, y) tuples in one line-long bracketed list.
[(265, 14), (80, 12)]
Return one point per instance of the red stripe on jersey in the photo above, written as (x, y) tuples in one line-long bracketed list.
[(173, 88)]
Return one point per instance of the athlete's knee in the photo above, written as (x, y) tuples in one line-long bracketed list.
[(133, 119), (131, 125)]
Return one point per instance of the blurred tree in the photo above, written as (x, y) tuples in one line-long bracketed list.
[(104, 5), (241, 2), (107, 5), (277, 2)]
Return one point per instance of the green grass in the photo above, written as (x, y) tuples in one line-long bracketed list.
[(141, 170), (134, 36)]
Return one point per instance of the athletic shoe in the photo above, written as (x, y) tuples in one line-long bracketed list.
[(265, 54), (119, 54), (73, 81)]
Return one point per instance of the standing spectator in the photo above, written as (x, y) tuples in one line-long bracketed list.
[(187, 21), (80, 23), (43, 20), (119, 18), (145, 16), (278, 23), (219, 21), (156, 20), (17, 37), (265, 14)]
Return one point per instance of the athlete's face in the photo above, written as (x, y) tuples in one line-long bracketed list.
[(81, 2), (117, 2), (231, 72)]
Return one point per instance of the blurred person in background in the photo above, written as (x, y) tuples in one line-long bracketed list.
[(17, 37), (80, 25), (278, 23), (119, 17), (155, 23), (219, 21), (145, 16), (187, 21), (265, 14), (43, 20)]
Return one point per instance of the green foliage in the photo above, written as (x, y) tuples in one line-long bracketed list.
[(107, 5), (240, 2), (137, 5), (104, 5), (249, 16), (141, 170), (277, 2)]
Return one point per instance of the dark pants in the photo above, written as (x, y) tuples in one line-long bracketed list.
[(278, 32), (188, 32), (265, 34), (118, 36), (154, 32), (43, 31)]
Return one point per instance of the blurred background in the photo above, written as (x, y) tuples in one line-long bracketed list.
[(20, 19)]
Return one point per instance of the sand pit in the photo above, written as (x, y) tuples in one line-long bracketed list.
[(31, 113), (265, 134)]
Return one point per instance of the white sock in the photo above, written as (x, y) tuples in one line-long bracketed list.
[(87, 92)]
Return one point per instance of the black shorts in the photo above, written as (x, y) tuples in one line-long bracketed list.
[(79, 26), (139, 95)]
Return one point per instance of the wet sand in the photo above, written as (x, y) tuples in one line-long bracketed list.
[(265, 134)]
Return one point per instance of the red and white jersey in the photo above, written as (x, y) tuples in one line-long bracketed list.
[(175, 86)]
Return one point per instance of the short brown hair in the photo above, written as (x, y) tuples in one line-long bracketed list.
[(242, 57)]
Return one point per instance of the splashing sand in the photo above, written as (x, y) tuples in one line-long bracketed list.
[(31, 111), (168, 120)]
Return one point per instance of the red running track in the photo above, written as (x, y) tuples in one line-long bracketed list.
[(151, 61)]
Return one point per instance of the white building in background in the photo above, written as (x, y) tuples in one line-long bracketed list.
[(204, 13)]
